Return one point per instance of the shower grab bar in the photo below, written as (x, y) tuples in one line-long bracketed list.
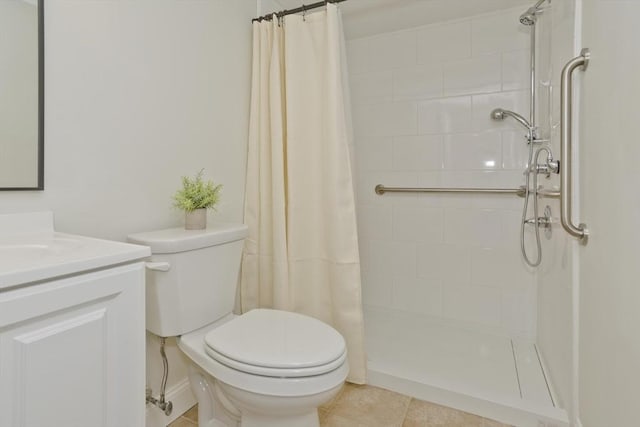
[(520, 192), (566, 139)]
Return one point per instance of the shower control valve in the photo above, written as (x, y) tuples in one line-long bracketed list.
[(547, 168), (552, 166)]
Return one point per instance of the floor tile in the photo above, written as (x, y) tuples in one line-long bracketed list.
[(192, 414), (367, 406), (416, 414), (334, 420), (425, 414), (370, 406), (183, 422), (491, 423), (322, 415)]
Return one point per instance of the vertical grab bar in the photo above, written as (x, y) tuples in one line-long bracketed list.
[(566, 139)]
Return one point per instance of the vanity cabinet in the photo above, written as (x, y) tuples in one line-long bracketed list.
[(72, 350)]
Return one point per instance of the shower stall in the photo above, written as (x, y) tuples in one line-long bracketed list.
[(466, 272)]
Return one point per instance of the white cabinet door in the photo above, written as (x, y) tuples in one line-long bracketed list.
[(72, 351)]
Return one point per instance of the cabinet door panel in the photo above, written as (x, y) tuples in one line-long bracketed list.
[(69, 356), (72, 352)]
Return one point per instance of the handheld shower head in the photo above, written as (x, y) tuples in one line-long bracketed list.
[(497, 114), (501, 114)]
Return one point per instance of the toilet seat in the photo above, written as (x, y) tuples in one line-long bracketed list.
[(276, 343), (193, 345), (276, 372)]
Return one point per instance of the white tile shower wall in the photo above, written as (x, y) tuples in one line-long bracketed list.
[(421, 102)]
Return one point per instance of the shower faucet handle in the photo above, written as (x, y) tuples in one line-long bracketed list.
[(551, 166)]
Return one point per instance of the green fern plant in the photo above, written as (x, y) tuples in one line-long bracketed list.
[(197, 194)]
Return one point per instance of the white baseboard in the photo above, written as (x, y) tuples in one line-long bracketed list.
[(181, 397)]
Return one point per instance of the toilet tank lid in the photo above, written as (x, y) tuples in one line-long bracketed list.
[(173, 240)]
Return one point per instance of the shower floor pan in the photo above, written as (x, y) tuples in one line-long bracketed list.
[(481, 373)]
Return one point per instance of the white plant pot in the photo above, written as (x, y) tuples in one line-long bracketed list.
[(195, 220)]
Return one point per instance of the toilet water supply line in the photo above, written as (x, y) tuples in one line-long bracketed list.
[(164, 405)]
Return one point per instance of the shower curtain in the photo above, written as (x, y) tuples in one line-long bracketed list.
[(302, 251)]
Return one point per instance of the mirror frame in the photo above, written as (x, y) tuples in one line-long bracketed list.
[(40, 183)]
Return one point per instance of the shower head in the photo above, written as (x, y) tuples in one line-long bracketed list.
[(501, 114), (529, 17)]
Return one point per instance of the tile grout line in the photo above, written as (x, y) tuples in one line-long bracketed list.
[(406, 412)]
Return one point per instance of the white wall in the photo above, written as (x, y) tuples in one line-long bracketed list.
[(609, 267), (268, 6), (556, 278), (138, 94), (421, 103)]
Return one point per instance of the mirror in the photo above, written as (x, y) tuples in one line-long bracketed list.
[(21, 95)]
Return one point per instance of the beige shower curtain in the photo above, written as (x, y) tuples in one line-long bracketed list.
[(302, 251)]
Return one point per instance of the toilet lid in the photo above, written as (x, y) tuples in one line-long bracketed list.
[(274, 342)]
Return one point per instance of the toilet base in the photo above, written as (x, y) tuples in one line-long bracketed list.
[(222, 405), (259, 410), (214, 410)]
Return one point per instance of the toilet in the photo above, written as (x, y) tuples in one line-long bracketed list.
[(265, 368)]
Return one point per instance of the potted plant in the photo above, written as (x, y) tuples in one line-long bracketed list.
[(194, 198)]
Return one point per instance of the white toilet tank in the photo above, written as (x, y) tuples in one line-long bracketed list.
[(199, 286)]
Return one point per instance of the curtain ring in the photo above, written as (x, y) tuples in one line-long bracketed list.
[(304, 13)]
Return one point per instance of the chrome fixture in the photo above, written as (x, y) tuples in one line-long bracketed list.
[(535, 168), (381, 189), (566, 140), (164, 405), (551, 166), (544, 221), (541, 221), (548, 230), (525, 210), (530, 17), (501, 114), (520, 191)]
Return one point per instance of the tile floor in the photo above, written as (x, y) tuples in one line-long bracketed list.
[(367, 406)]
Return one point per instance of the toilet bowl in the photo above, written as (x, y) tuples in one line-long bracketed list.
[(265, 368), (274, 367)]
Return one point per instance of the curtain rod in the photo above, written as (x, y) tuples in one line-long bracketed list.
[(302, 8)]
